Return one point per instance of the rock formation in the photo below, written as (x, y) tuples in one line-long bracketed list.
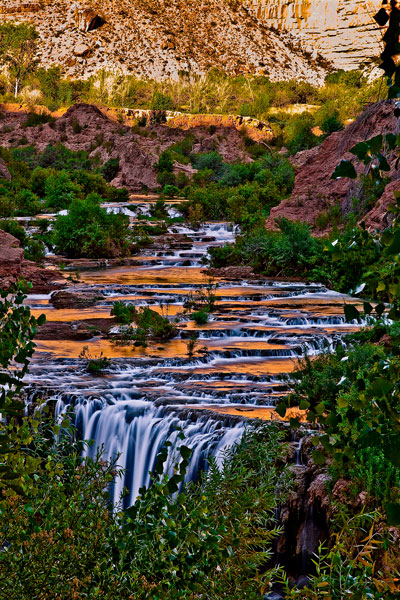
[(161, 38), (314, 190), (343, 31), (13, 267), (103, 134)]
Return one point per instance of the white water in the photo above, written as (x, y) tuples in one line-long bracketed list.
[(257, 333)]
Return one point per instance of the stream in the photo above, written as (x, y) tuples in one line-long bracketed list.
[(255, 336)]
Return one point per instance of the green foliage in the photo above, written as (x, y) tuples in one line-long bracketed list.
[(149, 324), (201, 316), (35, 119), (18, 46), (161, 102), (350, 564), (110, 169), (243, 193), (17, 330), (124, 313), (60, 190), (94, 364), (89, 231)]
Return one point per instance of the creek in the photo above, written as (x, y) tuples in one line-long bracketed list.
[(255, 336)]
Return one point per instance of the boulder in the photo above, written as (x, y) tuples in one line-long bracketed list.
[(68, 299), (13, 267), (81, 50), (11, 256)]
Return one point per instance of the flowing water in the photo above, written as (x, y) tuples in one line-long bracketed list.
[(254, 338)]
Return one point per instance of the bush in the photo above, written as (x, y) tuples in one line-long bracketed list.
[(110, 169), (60, 190), (201, 317), (161, 102), (89, 231), (35, 119), (170, 191)]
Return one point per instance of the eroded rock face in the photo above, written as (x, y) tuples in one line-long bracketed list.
[(161, 38), (102, 134), (13, 267), (314, 190), (343, 31)]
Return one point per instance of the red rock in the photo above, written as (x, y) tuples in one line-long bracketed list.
[(315, 191), (13, 267)]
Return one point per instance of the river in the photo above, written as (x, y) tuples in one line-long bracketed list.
[(255, 336)]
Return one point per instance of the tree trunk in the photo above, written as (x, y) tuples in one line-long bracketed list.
[(16, 87)]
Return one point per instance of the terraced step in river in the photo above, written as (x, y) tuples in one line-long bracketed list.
[(254, 338)]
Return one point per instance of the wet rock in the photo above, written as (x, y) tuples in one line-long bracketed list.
[(67, 299), (274, 596)]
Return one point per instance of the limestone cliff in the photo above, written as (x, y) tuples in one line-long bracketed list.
[(161, 38), (343, 31)]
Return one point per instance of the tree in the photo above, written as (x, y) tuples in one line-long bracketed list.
[(17, 330), (18, 46)]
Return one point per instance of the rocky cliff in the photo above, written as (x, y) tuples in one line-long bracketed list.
[(315, 192), (161, 38), (343, 31)]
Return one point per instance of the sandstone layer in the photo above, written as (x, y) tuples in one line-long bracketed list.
[(101, 133), (343, 31), (161, 38), (314, 190)]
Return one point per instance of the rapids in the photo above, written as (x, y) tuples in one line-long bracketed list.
[(254, 338)]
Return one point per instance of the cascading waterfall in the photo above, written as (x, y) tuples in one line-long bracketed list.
[(134, 432), (255, 335)]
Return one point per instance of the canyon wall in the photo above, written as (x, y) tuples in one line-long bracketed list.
[(343, 31), (161, 38)]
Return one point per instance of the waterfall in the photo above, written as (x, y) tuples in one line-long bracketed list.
[(134, 431)]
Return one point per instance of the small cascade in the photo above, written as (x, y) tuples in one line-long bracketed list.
[(244, 354)]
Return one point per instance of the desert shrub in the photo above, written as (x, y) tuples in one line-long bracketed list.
[(89, 231), (161, 102), (110, 169), (35, 119)]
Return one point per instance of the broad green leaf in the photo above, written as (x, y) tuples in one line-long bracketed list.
[(318, 457), (351, 313), (344, 169)]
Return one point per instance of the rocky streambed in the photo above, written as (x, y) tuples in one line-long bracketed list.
[(254, 337)]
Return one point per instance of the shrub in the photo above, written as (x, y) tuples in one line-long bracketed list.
[(60, 190), (76, 127), (201, 317), (170, 191), (110, 169), (89, 231), (161, 102), (35, 119)]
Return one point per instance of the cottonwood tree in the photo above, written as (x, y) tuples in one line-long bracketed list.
[(18, 47)]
